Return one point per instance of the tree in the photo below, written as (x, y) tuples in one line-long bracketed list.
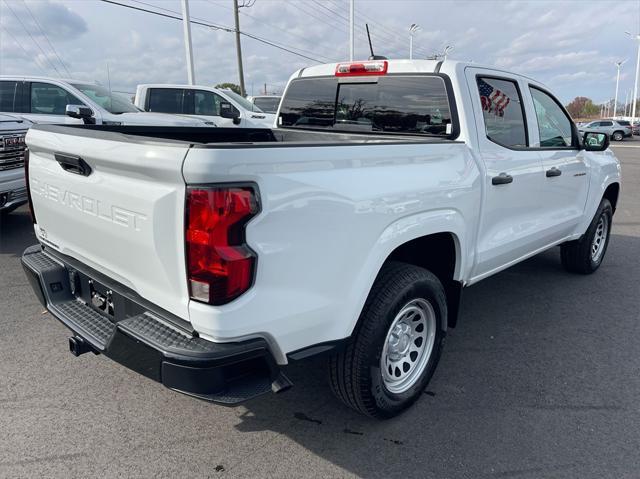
[(582, 107), (229, 86)]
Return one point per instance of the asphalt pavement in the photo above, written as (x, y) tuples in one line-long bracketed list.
[(541, 379)]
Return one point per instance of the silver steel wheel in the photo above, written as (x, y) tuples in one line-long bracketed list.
[(600, 238), (617, 136), (408, 345)]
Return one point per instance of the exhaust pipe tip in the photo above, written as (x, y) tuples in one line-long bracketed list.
[(78, 346)]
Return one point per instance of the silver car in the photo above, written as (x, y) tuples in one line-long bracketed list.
[(616, 129)]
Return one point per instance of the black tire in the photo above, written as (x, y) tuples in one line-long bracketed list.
[(355, 372), (577, 255), (617, 136)]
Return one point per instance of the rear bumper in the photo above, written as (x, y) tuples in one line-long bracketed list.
[(141, 340)]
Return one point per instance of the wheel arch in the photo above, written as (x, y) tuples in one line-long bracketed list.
[(612, 192)]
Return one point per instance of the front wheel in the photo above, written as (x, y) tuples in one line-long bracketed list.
[(586, 254), (396, 345)]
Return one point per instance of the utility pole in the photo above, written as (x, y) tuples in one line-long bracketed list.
[(186, 24), (238, 47), (351, 28)]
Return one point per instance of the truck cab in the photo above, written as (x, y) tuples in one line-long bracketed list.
[(225, 108), (45, 100)]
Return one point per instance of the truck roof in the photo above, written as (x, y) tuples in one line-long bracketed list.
[(44, 78), (404, 66)]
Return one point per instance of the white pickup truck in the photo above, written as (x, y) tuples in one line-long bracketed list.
[(207, 259), (224, 108)]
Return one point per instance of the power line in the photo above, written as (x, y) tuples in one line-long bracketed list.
[(26, 53), (47, 38), (255, 19), (214, 26), (31, 36)]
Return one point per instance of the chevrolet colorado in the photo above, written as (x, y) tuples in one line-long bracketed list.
[(207, 259)]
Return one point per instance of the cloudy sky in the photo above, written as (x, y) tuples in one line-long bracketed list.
[(569, 45)]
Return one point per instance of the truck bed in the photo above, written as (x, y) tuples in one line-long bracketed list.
[(229, 137)]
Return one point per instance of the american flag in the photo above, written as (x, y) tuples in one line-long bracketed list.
[(492, 99)]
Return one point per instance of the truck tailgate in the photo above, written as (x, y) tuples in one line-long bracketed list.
[(124, 218)]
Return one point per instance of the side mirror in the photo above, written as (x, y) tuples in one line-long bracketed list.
[(227, 110), (595, 141), (81, 112)]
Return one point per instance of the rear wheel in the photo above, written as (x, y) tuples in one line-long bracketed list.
[(617, 136), (586, 254), (396, 346)]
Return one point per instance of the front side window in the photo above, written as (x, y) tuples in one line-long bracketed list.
[(502, 112), (8, 93), (554, 125), (48, 99), (206, 103), (166, 100), (398, 104), (115, 103)]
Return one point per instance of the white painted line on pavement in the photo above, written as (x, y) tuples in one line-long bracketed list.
[(625, 146)]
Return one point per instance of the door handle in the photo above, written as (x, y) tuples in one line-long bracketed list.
[(553, 172), (73, 164), (502, 179)]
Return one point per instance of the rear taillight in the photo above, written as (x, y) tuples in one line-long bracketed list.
[(220, 265), (362, 68), (26, 180)]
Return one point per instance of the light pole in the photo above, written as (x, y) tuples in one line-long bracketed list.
[(186, 24), (615, 102), (446, 51), (352, 15), (412, 30), (635, 85)]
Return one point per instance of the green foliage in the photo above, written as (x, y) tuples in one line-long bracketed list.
[(229, 86), (582, 107)]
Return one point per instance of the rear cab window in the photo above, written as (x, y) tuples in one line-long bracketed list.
[(503, 111), (394, 104)]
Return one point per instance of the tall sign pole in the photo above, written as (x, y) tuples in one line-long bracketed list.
[(351, 28), (186, 24), (239, 47)]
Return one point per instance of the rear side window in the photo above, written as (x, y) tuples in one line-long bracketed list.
[(502, 111), (166, 100), (392, 104), (8, 96), (624, 123), (554, 125), (48, 99)]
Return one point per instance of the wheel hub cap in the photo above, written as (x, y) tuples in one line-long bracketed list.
[(408, 345), (599, 238)]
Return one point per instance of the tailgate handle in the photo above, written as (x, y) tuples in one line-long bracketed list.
[(73, 164)]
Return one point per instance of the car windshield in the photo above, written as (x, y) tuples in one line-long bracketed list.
[(244, 103), (115, 103), (267, 104)]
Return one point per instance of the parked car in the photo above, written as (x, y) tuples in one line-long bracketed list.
[(224, 107), (13, 192), (351, 229), (267, 103), (635, 128), (45, 100), (616, 129)]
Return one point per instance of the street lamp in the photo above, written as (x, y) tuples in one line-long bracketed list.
[(635, 85), (446, 51), (615, 103), (412, 29)]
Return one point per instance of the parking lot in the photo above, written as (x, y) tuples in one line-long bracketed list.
[(540, 379)]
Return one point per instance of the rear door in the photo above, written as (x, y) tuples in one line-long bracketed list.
[(125, 218), (566, 180), (512, 215)]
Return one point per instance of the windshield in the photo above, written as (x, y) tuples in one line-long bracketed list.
[(244, 103), (393, 104), (267, 104), (112, 102)]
